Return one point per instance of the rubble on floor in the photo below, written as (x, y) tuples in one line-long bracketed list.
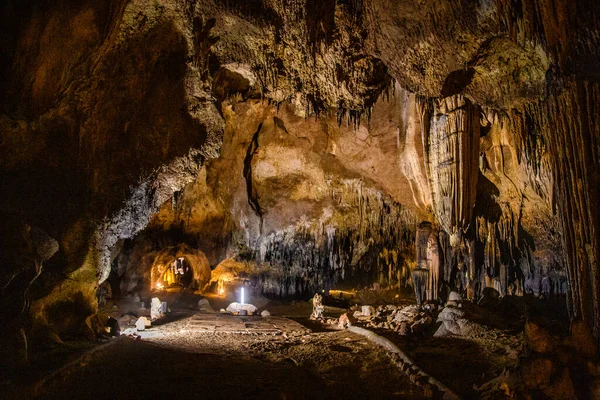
[(403, 320), (241, 309), (204, 306)]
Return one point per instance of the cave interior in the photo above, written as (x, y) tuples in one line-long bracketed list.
[(290, 191)]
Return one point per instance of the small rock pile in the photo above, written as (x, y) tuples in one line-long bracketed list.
[(241, 309), (405, 320), (455, 321), (204, 306), (131, 325)]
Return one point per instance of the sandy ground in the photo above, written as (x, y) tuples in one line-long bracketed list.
[(175, 361), (180, 356)]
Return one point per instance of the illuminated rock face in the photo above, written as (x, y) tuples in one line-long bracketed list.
[(311, 137), (452, 158)]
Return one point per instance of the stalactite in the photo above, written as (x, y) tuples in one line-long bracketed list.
[(320, 256), (452, 162), (567, 121)]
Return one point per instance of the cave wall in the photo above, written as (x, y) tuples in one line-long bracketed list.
[(108, 109), (102, 116)]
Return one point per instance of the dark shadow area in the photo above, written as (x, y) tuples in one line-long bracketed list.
[(457, 81), (129, 369), (456, 362), (172, 317)]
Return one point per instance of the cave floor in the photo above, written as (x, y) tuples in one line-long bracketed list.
[(179, 358), (283, 356)]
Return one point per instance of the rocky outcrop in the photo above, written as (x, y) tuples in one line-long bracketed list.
[(85, 123)]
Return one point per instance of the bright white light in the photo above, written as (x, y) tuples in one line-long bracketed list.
[(242, 302), (221, 291)]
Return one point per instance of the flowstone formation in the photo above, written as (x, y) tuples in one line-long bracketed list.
[(320, 143)]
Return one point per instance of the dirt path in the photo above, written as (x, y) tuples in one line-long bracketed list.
[(178, 363)]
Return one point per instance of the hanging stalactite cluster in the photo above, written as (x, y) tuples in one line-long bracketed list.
[(364, 237), (481, 237)]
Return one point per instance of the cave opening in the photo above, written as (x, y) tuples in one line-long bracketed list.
[(177, 273)]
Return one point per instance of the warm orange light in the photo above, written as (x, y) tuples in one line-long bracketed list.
[(159, 286), (221, 291)]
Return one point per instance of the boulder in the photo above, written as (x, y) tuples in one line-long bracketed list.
[(491, 293), (358, 314), (204, 305), (346, 320), (442, 331), (454, 296), (561, 387), (406, 314), (234, 308), (126, 320), (454, 321), (403, 329), (155, 308), (265, 314), (538, 338), (595, 389), (594, 368), (489, 297), (450, 314), (142, 323), (418, 328), (581, 339), (367, 311), (536, 372)]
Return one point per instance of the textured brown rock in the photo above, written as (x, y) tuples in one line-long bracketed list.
[(581, 339), (595, 389), (346, 320), (538, 338), (537, 372), (561, 387)]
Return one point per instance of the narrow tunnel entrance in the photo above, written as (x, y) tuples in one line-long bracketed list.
[(177, 274), (180, 267)]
